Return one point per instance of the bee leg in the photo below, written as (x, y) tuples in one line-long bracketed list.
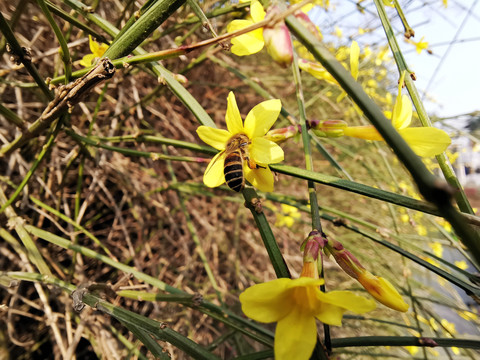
[(253, 165)]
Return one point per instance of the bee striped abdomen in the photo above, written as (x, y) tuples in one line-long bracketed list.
[(233, 170)]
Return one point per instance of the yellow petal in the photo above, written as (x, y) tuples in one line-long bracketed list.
[(213, 175), (305, 282), (256, 11), (267, 302), (383, 291), (264, 151), (216, 138), (246, 44), (367, 132), (101, 49), (261, 118), (342, 96), (317, 71), (354, 56), (261, 178), (426, 141), (330, 314), (232, 117), (97, 49), (349, 301), (92, 44), (402, 112), (238, 24), (87, 60), (295, 336)]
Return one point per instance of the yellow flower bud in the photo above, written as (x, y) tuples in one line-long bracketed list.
[(383, 291)]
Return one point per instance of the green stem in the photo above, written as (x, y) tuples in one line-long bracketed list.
[(201, 15), (319, 351), (404, 341), (307, 151), (271, 245), (19, 9), (132, 152), (466, 286), (12, 117), (228, 8), (159, 330), (132, 348), (64, 52), (29, 248), (408, 30), (76, 225), (26, 61), (46, 148), (193, 232), (75, 22), (136, 15), (142, 28)]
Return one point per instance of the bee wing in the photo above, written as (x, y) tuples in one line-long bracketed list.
[(213, 175)]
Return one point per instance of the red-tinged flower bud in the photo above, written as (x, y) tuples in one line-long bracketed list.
[(378, 287), (278, 41), (312, 248), (344, 258), (328, 128), (310, 269), (282, 134), (180, 78), (305, 20), (383, 291)]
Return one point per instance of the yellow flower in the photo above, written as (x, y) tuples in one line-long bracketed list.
[(275, 38), (338, 32), (424, 141), (318, 71), (308, 7), (421, 230), (288, 216), (295, 304), (97, 52), (413, 350), (354, 56), (260, 151), (383, 291), (251, 42), (448, 326), (437, 249), (468, 315), (419, 46)]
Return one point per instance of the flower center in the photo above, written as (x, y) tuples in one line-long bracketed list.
[(237, 142), (305, 298)]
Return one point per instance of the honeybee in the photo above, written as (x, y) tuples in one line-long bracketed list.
[(236, 153)]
